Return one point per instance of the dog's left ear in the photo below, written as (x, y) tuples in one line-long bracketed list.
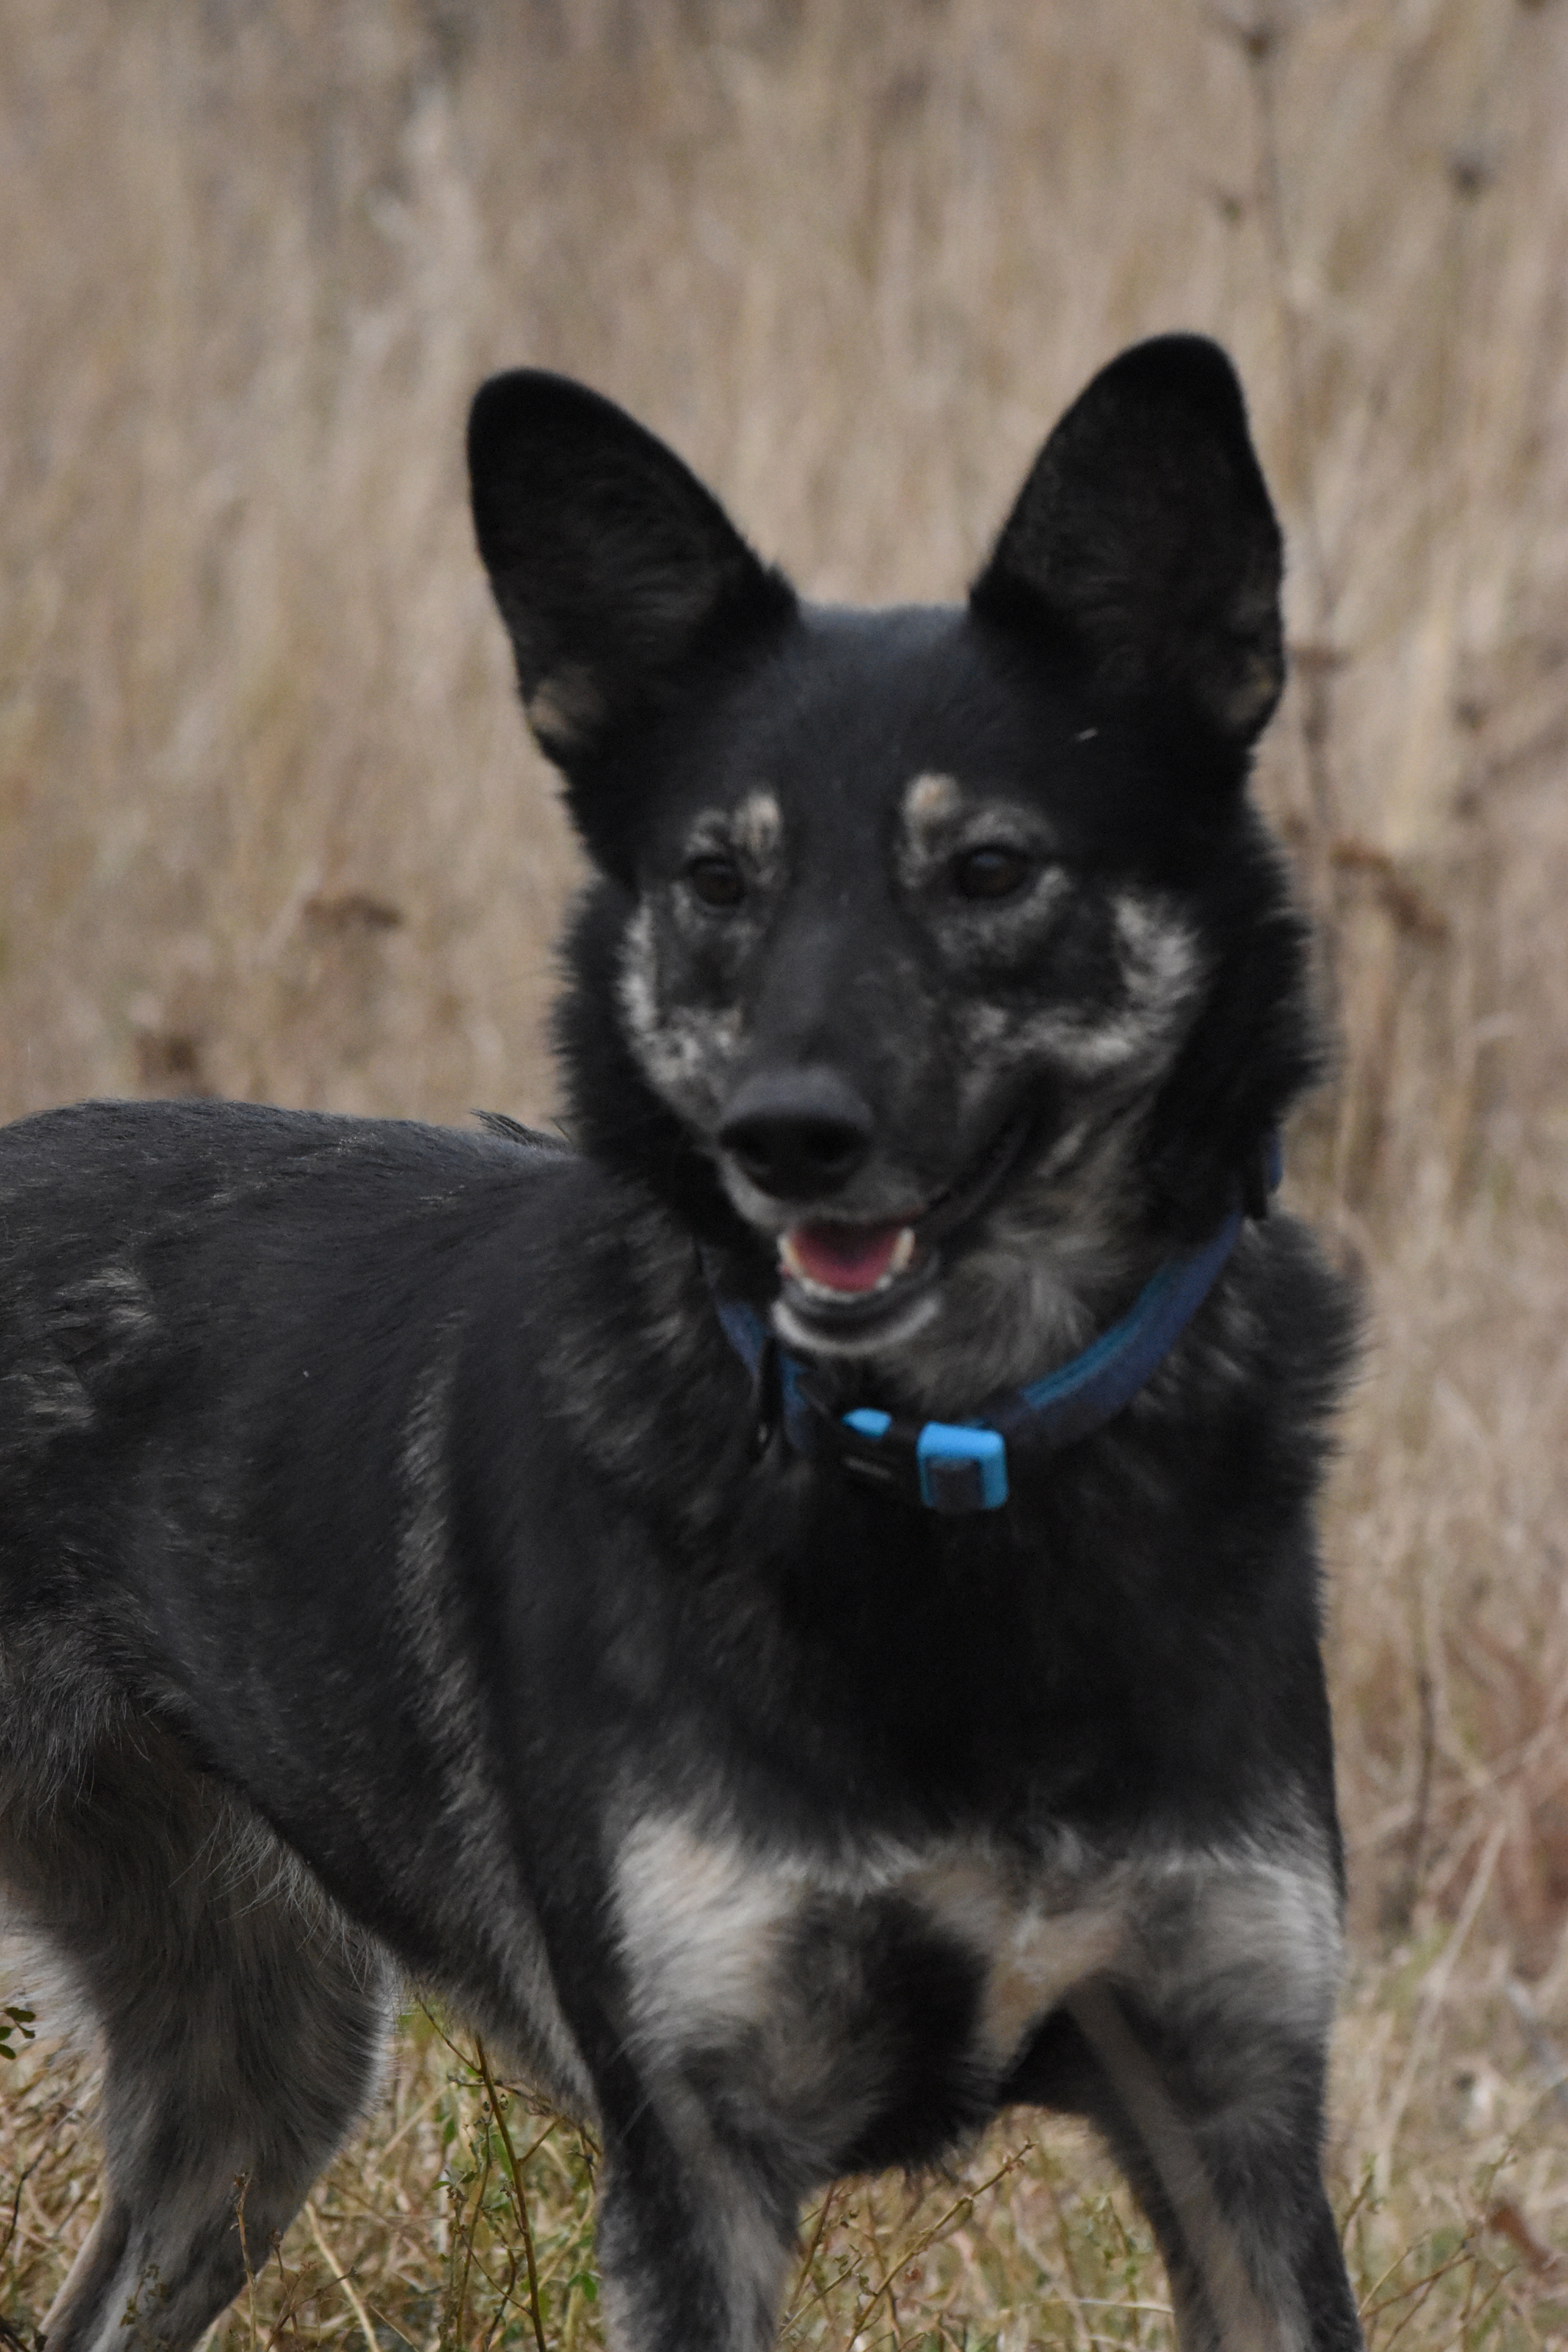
[(1143, 544), (611, 565)]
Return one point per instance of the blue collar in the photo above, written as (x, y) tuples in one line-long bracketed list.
[(958, 1467)]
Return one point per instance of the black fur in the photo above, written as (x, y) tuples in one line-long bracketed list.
[(385, 1535)]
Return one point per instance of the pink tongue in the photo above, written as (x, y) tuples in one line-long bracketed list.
[(844, 1257)]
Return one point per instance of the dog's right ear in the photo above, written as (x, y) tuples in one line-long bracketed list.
[(611, 565)]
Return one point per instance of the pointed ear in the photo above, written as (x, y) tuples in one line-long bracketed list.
[(611, 565), (1143, 544)]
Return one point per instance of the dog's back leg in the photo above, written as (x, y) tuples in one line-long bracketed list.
[(240, 2022)]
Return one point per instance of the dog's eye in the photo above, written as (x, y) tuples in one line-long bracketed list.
[(717, 880), (994, 871)]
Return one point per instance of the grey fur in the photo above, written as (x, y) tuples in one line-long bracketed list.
[(241, 2019)]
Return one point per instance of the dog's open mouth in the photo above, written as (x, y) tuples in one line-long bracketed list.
[(851, 1273), (847, 1261), (840, 1284), (841, 1279)]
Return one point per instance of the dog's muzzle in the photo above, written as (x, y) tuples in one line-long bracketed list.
[(838, 1279)]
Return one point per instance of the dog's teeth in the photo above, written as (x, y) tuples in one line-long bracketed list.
[(803, 1261)]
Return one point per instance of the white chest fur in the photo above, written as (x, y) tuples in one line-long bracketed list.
[(706, 1924)]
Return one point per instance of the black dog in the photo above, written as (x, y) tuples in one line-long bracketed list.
[(803, 1620)]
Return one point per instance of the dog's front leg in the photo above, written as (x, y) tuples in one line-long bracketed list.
[(1233, 2197), (694, 2240), (1210, 2049)]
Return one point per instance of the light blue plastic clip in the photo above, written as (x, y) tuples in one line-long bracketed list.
[(962, 1469), (952, 1467)]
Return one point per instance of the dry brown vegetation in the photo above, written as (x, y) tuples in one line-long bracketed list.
[(270, 829)]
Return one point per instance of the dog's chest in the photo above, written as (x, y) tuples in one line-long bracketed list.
[(829, 1994)]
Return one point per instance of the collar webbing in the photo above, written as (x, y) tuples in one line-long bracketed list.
[(962, 1466)]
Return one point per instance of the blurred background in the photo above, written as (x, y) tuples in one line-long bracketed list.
[(269, 825)]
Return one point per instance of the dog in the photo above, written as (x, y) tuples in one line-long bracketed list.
[(798, 1613)]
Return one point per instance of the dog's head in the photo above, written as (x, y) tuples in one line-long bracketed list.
[(939, 963)]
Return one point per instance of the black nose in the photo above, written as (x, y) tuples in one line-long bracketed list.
[(797, 1133)]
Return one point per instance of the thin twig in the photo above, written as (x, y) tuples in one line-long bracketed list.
[(401, 2335), (939, 2228), (22, 2179), (340, 2279), (519, 2200), (1435, 1988), (804, 2272), (1363, 2194), (471, 2231)]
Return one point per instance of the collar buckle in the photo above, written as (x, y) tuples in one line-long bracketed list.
[(954, 1467)]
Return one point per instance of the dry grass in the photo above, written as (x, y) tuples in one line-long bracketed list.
[(269, 828)]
